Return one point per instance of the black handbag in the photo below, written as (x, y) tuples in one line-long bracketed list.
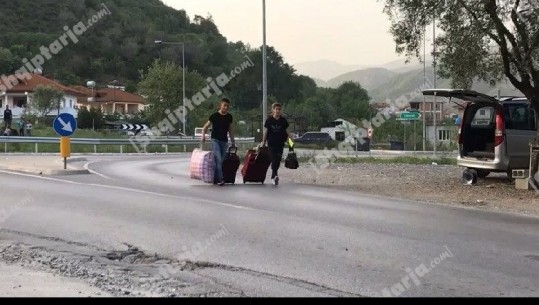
[(291, 160)]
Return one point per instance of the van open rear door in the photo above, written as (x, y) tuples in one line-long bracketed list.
[(466, 95), (482, 125)]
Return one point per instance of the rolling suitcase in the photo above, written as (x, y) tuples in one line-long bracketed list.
[(231, 163), (255, 165), (202, 165)]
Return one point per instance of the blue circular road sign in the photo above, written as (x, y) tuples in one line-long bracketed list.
[(64, 124)]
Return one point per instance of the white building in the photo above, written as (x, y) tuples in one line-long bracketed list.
[(17, 94)]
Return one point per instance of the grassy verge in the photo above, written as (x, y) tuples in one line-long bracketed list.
[(399, 160), (394, 160), (80, 133)]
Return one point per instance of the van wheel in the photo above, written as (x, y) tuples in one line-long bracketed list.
[(482, 173)]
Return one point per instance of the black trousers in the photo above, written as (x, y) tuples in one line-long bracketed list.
[(276, 155)]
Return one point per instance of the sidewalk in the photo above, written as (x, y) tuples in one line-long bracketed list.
[(41, 165), (17, 281)]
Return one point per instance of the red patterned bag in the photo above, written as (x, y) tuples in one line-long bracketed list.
[(202, 165)]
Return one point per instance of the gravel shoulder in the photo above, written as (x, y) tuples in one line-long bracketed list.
[(428, 183), (19, 281)]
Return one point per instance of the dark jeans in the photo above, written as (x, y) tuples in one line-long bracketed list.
[(276, 155)]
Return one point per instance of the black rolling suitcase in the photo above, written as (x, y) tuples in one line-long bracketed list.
[(231, 163)]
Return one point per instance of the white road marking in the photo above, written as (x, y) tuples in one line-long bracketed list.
[(229, 205), (87, 167)]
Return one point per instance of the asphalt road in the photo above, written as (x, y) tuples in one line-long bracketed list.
[(289, 240)]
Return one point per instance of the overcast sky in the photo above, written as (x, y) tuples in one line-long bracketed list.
[(345, 31)]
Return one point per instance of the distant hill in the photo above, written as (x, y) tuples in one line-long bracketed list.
[(324, 69), (367, 78), (407, 83), (117, 47), (320, 83), (400, 65)]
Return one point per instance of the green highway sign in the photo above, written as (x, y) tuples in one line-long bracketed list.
[(409, 116)]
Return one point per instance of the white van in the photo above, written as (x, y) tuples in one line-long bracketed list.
[(494, 135)]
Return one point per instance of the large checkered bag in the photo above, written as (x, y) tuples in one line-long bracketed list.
[(202, 165)]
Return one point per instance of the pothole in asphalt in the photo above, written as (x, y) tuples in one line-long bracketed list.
[(132, 256), (133, 272), (533, 257)]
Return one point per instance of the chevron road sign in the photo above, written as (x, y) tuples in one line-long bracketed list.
[(135, 127)]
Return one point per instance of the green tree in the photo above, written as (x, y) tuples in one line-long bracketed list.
[(84, 119), (282, 82), (6, 61), (96, 118), (352, 101), (162, 85), (484, 39), (45, 99)]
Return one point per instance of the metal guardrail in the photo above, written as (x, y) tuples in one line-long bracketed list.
[(142, 142), (90, 141)]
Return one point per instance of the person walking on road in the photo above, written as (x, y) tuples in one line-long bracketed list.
[(275, 134), (221, 123)]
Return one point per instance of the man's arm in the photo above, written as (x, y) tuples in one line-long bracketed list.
[(205, 130), (288, 133), (264, 136), (231, 133), (265, 133)]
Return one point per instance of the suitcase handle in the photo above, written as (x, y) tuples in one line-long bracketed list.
[(233, 148)]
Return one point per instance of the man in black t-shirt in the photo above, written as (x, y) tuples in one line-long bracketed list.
[(275, 133), (221, 122)]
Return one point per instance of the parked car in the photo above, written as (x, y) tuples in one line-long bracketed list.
[(494, 135), (313, 138)]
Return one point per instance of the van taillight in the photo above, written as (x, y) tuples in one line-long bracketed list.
[(500, 126), (459, 134)]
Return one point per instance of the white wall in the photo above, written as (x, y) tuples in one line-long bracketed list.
[(66, 106), (430, 134)]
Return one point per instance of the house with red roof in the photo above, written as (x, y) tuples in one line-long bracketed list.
[(112, 99), (16, 92)]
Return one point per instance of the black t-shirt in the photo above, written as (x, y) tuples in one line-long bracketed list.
[(7, 114), (277, 134), (220, 126)]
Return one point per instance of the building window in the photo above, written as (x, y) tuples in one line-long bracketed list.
[(339, 136), (20, 101), (443, 135)]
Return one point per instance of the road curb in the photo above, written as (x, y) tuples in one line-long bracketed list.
[(46, 172)]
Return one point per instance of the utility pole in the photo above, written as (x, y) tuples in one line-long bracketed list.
[(424, 86), (434, 76), (264, 68)]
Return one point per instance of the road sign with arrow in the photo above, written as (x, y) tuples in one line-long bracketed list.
[(134, 127), (409, 116), (64, 124)]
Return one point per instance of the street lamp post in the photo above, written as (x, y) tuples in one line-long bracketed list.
[(183, 79), (264, 68)]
